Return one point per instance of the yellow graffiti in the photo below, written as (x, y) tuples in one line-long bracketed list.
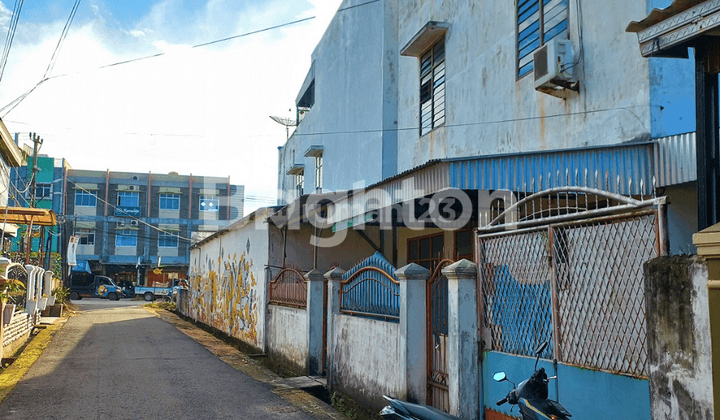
[(226, 298)]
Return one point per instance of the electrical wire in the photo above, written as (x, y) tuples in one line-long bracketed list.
[(19, 99), (51, 64), (63, 35), (10, 35)]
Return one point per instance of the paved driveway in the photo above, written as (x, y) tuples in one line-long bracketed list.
[(115, 360)]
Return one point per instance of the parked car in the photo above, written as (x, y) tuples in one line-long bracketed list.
[(89, 285)]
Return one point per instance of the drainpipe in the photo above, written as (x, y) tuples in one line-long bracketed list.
[(149, 195), (107, 190)]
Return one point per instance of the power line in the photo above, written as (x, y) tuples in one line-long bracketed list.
[(10, 35), (282, 25), (63, 35)]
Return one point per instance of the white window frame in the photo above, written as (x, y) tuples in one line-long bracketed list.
[(318, 173), (88, 235), (300, 183), (212, 205), (169, 198), (125, 233), (83, 194), (164, 237), (123, 195)]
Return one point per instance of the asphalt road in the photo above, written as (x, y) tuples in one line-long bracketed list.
[(115, 360)]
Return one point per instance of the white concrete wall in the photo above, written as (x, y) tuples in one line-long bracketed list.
[(227, 280), (481, 85), (366, 362), (355, 91), (287, 341)]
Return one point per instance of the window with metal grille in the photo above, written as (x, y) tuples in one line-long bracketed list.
[(167, 240), (87, 237), (432, 88), (318, 173), (85, 199), (538, 21), (42, 190), (126, 237), (169, 202)]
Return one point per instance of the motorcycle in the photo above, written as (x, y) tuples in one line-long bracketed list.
[(532, 394), (402, 410)]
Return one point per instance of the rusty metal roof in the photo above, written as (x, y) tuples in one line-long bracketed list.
[(669, 32), (26, 216), (659, 15)]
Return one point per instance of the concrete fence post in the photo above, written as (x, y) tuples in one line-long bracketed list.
[(463, 366), (413, 330), (315, 313), (4, 262), (334, 277)]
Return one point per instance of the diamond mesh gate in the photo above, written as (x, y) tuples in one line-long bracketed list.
[(578, 284)]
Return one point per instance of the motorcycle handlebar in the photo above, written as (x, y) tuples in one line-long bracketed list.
[(503, 401)]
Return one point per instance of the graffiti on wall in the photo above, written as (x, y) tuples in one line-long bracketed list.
[(223, 294)]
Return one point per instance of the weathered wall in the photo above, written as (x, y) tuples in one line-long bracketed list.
[(355, 67), (679, 346), (682, 217), (350, 248), (227, 280), (366, 360), (490, 111), (287, 339), (585, 393)]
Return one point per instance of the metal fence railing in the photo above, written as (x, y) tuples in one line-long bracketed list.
[(578, 284), (371, 289), (289, 287)]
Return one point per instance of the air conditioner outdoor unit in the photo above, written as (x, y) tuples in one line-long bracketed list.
[(553, 68), (133, 188), (134, 223), (121, 224)]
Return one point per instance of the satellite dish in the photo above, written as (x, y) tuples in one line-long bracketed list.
[(287, 122)]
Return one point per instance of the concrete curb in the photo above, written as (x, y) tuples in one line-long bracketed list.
[(12, 375), (250, 367)]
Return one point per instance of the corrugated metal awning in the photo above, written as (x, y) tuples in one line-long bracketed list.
[(627, 168), (597, 167), (667, 32)]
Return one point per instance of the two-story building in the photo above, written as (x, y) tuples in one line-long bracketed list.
[(139, 226)]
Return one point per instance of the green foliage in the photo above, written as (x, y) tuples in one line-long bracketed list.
[(10, 287), (343, 406), (61, 294)]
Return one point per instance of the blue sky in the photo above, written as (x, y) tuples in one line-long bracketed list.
[(202, 111)]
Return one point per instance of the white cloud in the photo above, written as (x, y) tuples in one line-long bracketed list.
[(202, 110)]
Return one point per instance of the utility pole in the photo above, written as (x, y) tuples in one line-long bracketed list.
[(37, 141)]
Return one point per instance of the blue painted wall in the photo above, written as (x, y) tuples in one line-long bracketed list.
[(587, 394), (672, 90), (672, 96)]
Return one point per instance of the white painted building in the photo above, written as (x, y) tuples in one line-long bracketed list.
[(396, 84)]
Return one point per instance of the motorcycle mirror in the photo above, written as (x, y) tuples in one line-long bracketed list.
[(500, 376), (539, 351)]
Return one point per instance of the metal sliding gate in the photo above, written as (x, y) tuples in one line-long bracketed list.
[(437, 338), (575, 280)]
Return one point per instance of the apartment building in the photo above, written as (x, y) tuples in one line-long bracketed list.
[(139, 226)]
